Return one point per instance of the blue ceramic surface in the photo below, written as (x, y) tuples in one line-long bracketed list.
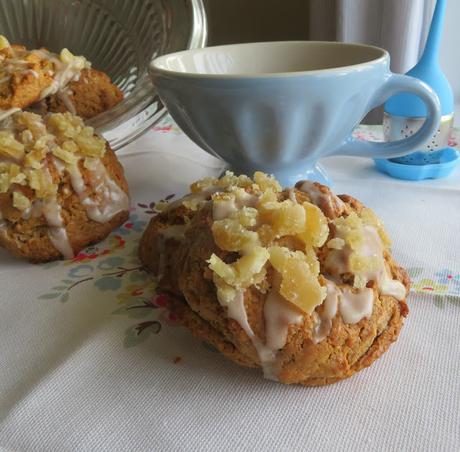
[(403, 112), (447, 161), (279, 107), (429, 70)]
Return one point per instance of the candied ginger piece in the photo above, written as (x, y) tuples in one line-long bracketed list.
[(41, 182), (230, 235), (247, 270), (4, 43), (35, 158), (225, 293), (229, 180), (265, 181), (246, 216), (65, 156), (65, 126), (31, 122), (90, 145), (10, 148), (268, 196), (20, 201), (203, 184), (360, 264), (336, 243), (299, 284), (225, 271), (285, 218), (355, 239), (316, 229)]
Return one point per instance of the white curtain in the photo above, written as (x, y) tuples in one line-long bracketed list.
[(399, 26)]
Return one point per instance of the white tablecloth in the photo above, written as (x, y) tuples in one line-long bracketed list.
[(91, 360)]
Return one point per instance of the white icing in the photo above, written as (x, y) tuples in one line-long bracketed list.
[(59, 165), (57, 233), (199, 196), (222, 209), (292, 196), (76, 180), (316, 195), (110, 198), (6, 113), (354, 307), (323, 321), (60, 240), (278, 316), (244, 199), (63, 74), (64, 95), (391, 287), (267, 356), (337, 262)]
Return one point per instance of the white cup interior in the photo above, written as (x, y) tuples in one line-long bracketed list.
[(268, 58)]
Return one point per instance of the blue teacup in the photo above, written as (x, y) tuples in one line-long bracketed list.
[(279, 107)]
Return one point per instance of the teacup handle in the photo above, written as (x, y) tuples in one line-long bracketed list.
[(396, 84)]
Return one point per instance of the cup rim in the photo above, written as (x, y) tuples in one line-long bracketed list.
[(155, 67)]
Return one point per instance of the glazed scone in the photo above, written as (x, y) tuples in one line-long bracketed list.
[(92, 94), (44, 81), (300, 282), (61, 186)]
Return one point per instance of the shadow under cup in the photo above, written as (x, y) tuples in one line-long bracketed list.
[(279, 107)]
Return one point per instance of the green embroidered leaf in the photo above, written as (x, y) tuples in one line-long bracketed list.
[(48, 296), (67, 281), (137, 334), (108, 283), (455, 299), (59, 288), (110, 263), (415, 271), (138, 312), (209, 347), (138, 275), (64, 297)]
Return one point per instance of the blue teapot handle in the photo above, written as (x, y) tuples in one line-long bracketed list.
[(396, 84)]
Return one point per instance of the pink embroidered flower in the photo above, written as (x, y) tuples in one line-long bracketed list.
[(160, 300)]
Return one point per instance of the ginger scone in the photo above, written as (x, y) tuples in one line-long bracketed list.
[(299, 282), (61, 186), (45, 81)]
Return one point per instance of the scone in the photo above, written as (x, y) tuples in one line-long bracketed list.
[(299, 282), (92, 94), (61, 186), (45, 81)]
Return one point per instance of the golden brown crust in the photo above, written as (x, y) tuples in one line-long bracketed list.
[(25, 87), (91, 95), (28, 238), (205, 332), (347, 349)]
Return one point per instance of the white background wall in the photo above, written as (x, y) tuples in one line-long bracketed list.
[(450, 55)]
